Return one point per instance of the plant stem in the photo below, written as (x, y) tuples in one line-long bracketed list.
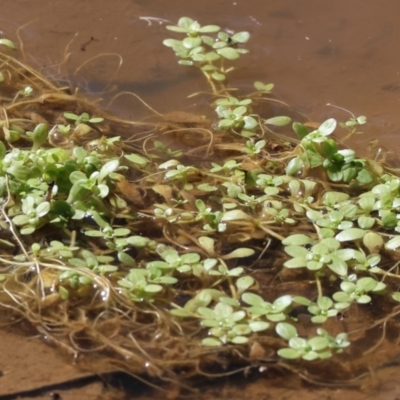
[(318, 281), (214, 89)]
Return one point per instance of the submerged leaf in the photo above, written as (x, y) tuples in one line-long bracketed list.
[(229, 53), (8, 43), (278, 121)]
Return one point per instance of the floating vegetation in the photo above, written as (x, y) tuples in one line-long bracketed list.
[(195, 248)]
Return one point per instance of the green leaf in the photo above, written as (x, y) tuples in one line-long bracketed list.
[(327, 127), (314, 265), (226, 123), (364, 299), (329, 148), (240, 340), (175, 29), (347, 154), (218, 76), (42, 209), (180, 312), (3, 150), (169, 164), (189, 258), (137, 159), (167, 280), (364, 177), (389, 219), (367, 202), (262, 87), (350, 234), (373, 241), (294, 166), (289, 354), (252, 299), (296, 251), (96, 120), (285, 330), (257, 326), (8, 43), (278, 121), (211, 56), (209, 28), (191, 42), (229, 53), (238, 111), (107, 169), (250, 122), (338, 265), (153, 288), (342, 297), (297, 343), (283, 302), (365, 222), (393, 243), (126, 259), (396, 296), (302, 300), (20, 220), (366, 283), (244, 283), (318, 343), (297, 239), (239, 253), (27, 230), (319, 319), (241, 37), (324, 303), (300, 130), (236, 271), (211, 342), (137, 241), (40, 135), (104, 190), (229, 301), (235, 215), (119, 232), (206, 187)]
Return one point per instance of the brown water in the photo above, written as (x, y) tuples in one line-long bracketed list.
[(315, 52), (341, 52)]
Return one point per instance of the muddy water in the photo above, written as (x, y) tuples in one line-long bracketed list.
[(343, 53)]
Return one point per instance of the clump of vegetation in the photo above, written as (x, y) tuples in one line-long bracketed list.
[(112, 241)]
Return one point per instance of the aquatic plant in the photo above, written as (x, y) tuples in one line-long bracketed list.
[(146, 242)]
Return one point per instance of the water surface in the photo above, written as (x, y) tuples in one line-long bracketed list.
[(342, 53)]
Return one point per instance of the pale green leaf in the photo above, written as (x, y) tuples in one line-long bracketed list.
[(229, 53), (285, 330), (297, 239), (8, 43), (137, 159), (351, 234), (278, 121)]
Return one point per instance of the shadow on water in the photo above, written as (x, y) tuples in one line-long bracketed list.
[(314, 52)]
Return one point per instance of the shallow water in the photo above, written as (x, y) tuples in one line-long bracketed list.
[(314, 52)]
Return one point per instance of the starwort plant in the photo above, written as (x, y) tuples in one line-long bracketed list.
[(263, 241)]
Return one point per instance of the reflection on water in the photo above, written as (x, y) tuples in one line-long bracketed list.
[(314, 52)]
